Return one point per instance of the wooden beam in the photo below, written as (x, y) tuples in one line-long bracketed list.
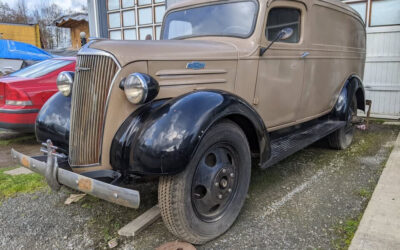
[(141, 222)]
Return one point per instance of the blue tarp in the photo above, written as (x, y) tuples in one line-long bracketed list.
[(22, 51)]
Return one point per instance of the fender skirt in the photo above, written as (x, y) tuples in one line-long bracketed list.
[(160, 138)]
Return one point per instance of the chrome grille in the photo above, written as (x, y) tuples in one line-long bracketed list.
[(93, 78)]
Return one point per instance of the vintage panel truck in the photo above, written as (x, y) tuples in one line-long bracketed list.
[(231, 83)]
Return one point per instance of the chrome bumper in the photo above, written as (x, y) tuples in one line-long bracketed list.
[(56, 177)]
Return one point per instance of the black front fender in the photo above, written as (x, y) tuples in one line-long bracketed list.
[(161, 138), (53, 121)]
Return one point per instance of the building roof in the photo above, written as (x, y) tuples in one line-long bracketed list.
[(19, 24), (71, 20)]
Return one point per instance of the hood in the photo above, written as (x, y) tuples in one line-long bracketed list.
[(129, 51)]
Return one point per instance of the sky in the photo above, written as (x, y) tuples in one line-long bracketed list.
[(65, 4)]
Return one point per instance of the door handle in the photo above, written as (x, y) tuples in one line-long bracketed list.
[(304, 55)]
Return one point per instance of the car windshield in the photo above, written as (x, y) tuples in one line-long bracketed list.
[(41, 68), (235, 19)]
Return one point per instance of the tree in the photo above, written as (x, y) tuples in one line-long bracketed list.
[(21, 13), (6, 13), (44, 14)]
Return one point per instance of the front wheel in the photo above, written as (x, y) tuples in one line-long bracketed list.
[(203, 201)]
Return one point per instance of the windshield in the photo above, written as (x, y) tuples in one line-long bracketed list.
[(41, 69), (235, 19)]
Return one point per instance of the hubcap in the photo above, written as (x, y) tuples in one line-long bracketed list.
[(214, 182)]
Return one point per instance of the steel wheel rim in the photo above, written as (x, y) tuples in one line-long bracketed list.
[(349, 129), (215, 182)]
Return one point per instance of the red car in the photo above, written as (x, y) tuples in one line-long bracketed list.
[(24, 92)]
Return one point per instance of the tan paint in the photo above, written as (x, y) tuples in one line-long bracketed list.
[(283, 87)]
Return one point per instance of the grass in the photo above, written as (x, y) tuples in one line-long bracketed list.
[(12, 185), (367, 194), (17, 140), (347, 230)]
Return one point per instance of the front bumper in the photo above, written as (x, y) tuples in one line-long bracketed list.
[(56, 177)]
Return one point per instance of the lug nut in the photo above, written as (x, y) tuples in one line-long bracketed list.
[(216, 184), (232, 175), (220, 196), (230, 190), (224, 183), (224, 170)]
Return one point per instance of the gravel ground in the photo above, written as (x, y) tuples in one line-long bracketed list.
[(299, 203)]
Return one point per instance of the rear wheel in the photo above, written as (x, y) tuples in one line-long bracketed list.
[(203, 201), (342, 138)]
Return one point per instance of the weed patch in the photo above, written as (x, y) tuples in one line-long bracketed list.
[(22, 139), (12, 185), (347, 231)]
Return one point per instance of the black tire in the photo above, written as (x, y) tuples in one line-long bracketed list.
[(342, 138), (223, 156)]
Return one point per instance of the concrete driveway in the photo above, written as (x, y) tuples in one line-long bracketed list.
[(314, 199)]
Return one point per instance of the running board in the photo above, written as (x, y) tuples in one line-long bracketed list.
[(287, 145)]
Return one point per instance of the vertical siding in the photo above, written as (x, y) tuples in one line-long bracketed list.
[(21, 33), (382, 70)]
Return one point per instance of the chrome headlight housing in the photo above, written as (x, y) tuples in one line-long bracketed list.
[(64, 82), (140, 88)]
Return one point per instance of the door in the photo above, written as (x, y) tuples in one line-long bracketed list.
[(280, 72)]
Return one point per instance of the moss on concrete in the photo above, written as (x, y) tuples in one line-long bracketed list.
[(347, 229)]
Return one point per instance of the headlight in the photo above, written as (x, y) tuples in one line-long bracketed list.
[(64, 82), (140, 88)]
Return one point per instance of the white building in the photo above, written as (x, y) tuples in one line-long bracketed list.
[(141, 19), (382, 68)]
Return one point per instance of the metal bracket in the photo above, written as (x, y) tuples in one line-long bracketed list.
[(52, 166)]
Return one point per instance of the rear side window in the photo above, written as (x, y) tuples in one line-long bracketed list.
[(280, 18)]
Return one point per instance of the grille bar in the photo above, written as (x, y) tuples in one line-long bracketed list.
[(93, 79)]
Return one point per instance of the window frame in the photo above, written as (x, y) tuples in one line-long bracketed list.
[(368, 13), (303, 19), (299, 23), (135, 8), (254, 25)]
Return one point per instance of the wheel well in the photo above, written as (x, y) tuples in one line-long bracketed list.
[(360, 99), (249, 130)]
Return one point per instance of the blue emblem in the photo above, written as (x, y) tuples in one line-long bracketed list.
[(196, 65)]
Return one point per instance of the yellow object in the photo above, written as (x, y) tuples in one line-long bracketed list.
[(26, 33)]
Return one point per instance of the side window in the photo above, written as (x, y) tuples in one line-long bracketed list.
[(280, 18)]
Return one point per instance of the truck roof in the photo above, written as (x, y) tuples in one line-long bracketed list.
[(338, 3)]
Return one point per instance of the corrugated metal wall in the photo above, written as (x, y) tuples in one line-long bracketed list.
[(382, 70)]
